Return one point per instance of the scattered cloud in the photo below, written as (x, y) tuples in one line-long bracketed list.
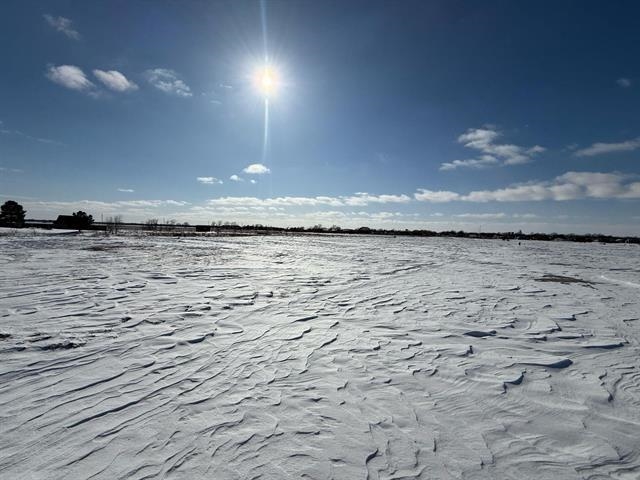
[(440, 196), (569, 186), (253, 181), (256, 169), (130, 210), (484, 140), (623, 82), (126, 190), (69, 76), (482, 162), (63, 25), (603, 148), (481, 215), (209, 180), (236, 178), (114, 80), (260, 211), (356, 200), (363, 198), (168, 81)]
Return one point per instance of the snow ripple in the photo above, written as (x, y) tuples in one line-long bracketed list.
[(317, 357)]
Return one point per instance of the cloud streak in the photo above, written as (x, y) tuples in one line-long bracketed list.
[(601, 148), (356, 200), (569, 186), (209, 180), (18, 133), (62, 25), (623, 82)]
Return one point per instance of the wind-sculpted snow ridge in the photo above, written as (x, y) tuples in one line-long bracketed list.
[(318, 357)]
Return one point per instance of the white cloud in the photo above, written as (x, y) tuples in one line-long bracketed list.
[(168, 81), (115, 80), (603, 148), (63, 25), (484, 140), (623, 82), (569, 186), (126, 190), (253, 181), (209, 180), (440, 196), (536, 149), (481, 215), (356, 200), (256, 169), (482, 162), (361, 199), (107, 207), (11, 170), (140, 210), (236, 178), (69, 76)]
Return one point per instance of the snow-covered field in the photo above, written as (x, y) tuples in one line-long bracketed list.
[(318, 357)]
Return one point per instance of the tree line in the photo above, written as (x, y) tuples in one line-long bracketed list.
[(12, 214)]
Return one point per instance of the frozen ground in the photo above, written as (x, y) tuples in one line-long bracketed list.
[(318, 357)]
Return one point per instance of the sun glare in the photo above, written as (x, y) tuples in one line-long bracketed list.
[(266, 81)]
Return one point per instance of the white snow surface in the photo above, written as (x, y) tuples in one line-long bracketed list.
[(344, 357)]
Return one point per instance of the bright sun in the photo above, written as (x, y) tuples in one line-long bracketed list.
[(266, 80)]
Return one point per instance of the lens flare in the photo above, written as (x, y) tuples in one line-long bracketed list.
[(266, 81)]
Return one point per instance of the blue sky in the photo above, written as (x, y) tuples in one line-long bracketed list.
[(492, 115)]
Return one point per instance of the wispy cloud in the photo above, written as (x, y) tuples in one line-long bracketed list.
[(114, 80), (168, 81), (69, 76), (481, 215), (569, 186), (209, 180), (494, 153), (357, 200), (236, 178), (130, 210), (126, 190), (603, 148), (11, 170), (63, 25), (18, 133), (256, 169), (482, 162), (623, 82)]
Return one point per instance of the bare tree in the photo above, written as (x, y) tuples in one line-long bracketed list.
[(113, 223), (152, 224)]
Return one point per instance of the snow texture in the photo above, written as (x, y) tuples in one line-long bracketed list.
[(345, 357)]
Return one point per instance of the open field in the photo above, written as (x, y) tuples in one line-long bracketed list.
[(318, 357)]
